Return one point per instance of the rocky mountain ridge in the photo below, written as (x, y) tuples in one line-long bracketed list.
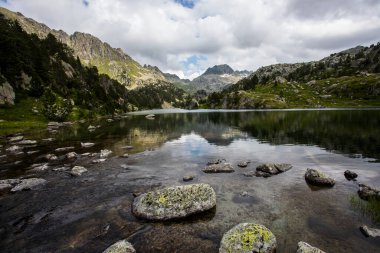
[(93, 52)]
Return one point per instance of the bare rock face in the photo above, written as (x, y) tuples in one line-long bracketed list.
[(174, 202), (7, 94), (304, 247), (248, 237), (122, 246), (219, 168), (317, 178)]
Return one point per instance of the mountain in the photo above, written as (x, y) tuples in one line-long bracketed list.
[(217, 78), (347, 78), (93, 52)]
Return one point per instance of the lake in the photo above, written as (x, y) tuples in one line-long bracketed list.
[(91, 212)]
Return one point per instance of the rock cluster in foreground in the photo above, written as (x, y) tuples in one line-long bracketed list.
[(248, 237), (174, 202)]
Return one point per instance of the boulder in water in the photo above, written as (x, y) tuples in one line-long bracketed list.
[(317, 178)]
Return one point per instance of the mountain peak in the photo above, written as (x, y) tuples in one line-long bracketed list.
[(219, 70)]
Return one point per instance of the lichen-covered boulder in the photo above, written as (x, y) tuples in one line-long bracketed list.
[(272, 168), (248, 238), (219, 168), (304, 247), (315, 177), (174, 202), (365, 192), (122, 246)]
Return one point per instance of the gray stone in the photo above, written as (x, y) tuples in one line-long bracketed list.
[(243, 164), (188, 178), (32, 152), (4, 187), (28, 184), (174, 202), (365, 192), (10, 181), (86, 154), (87, 144), (219, 168), (350, 175), (150, 116), (215, 161), (64, 149), (315, 177), (27, 142), (42, 167), (109, 120), (71, 155), (125, 155), (14, 148), (248, 237), (16, 138), (51, 157), (104, 153), (99, 160), (77, 171), (370, 232), (48, 139), (304, 247), (272, 169), (122, 246)]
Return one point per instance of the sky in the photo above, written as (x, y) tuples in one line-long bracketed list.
[(185, 37)]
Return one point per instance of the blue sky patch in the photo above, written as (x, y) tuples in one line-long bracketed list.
[(186, 3), (193, 60)]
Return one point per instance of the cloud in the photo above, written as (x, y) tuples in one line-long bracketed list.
[(188, 36)]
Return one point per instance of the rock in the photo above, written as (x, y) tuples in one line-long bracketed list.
[(124, 166), (64, 149), (32, 152), (219, 168), (27, 142), (370, 232), (71, 155), (174, 202), (86, 154), (188, 178), (136, 194), (272, 169), (365, 192), (7, 94), (262, 174), (61, 168), (10, 181), (91, 128), (78, 171), (215, 161), (315, 177), (48, 139), (249, 173), (109, 120), (14, 148), (28, 184), (104, 153), (122, 246), (16, 138), (350, 175), (125, 155), (51, 157), (99, 160), (248, 237), (42, 167), (5, 187), (304, 247), (150, 116), (87, 144), (243, 164)]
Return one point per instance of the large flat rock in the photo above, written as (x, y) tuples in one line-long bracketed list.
[(174, 202)]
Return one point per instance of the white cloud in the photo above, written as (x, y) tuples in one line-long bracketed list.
[(245, 34)]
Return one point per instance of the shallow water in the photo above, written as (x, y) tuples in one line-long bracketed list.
[(88, 213)]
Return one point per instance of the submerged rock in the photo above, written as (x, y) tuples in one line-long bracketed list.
[(215, 161), (243, 164), (262, 174), (104, 153), (365, 192), (219, 168), (248, 237), (174, 202), (78, 171), (370, 232), (350, 175), (28, 184), (315, 177), (87, 144), (304, 247), (269, 169), (122, 246)]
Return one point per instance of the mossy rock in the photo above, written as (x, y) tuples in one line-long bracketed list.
[(317, 178), (248, 238), (174, 202), (122, 246)]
